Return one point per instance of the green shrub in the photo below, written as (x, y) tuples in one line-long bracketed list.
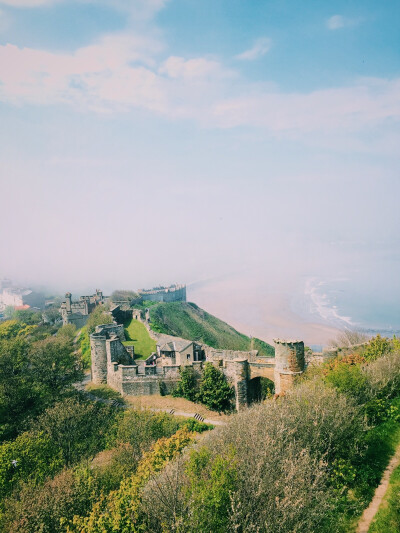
[(84, 344), (348, 379), (194, 425), (214, 390), (121, 509), (31, 456), (377, 347), (77, 427), (98, 317), (141, 428), (47, 507), (187, 386)]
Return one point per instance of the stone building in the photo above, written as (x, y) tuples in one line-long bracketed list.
[(114, 363), (78, 312), (173, 293), (180, 352)]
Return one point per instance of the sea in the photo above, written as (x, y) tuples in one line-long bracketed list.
[(370, 305)]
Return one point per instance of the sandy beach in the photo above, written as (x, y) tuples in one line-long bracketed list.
[(262, 312)]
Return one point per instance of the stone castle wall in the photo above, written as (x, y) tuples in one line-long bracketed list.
[(165, 294), (114, 364)]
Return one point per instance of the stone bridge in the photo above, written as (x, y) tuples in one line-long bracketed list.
[(245, 374)]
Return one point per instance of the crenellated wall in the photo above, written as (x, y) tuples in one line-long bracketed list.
[(113, 363)]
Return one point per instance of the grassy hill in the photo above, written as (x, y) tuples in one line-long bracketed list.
[(187, 320)]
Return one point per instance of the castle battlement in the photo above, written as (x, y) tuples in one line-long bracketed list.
[(173, 293)]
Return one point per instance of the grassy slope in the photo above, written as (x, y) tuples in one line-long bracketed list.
[(137, 335), (187, 320)]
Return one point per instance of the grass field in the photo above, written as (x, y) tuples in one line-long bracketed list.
[(137, 335)]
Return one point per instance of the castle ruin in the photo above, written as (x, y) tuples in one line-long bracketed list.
[(78, 312), (173, 293), (114, 363)]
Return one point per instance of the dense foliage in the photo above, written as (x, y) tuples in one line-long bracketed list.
[(212, 389), (189, 321), (33, 373), (98, 317), (307, 462)]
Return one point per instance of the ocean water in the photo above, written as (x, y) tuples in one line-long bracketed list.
[(369, 304)]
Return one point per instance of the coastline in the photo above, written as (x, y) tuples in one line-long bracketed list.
[(261, 313)]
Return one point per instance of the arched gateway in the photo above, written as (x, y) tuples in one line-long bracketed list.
[(282, 369)]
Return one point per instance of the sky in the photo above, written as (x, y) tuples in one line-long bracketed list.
[(159, 141)]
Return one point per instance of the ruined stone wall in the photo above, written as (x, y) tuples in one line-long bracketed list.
[(117, 353), (167, 294), (111, 329), (99, 358), (77, 320), (105, 350), (215, 354), (237, 373), (144, 386)]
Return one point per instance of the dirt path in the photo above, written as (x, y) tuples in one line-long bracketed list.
[(372, 509)]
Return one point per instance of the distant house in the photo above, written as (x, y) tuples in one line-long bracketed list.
[(21, 298), (180, 352)]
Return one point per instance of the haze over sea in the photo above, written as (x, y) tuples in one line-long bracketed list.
[(310, 307)]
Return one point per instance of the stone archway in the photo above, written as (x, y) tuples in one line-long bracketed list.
[(259, 388)]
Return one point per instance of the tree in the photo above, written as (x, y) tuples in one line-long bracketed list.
[(52, 314), (12, 328), (19, 397), (97, 317), (187, 387), (55, 365), (215, 392), (77, 427), (30, 456), (67, 332), (28, 316)]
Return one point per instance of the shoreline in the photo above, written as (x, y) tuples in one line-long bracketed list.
[(265, 316)]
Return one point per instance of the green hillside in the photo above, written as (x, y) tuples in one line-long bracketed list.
[(187, 320)]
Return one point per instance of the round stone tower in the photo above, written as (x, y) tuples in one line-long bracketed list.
[(289, 362), (99, 358)]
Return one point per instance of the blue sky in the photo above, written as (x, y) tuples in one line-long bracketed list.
[(187, 139)]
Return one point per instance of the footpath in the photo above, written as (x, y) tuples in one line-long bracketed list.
[(370, 512)]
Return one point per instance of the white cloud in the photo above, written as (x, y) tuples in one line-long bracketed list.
[(193, 69), (27, 3), (349, 109), (121, 72), (260, 48), (337, 22)]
